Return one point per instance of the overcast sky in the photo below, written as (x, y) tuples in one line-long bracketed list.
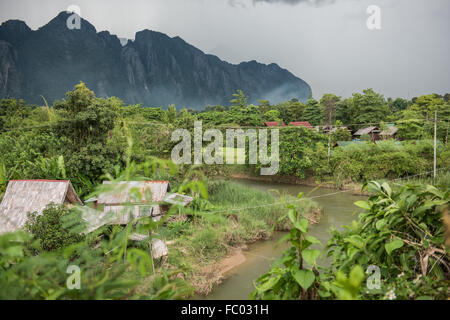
[(324, 42)]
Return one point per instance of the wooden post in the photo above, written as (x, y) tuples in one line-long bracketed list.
[(435, 142), (329, 145)]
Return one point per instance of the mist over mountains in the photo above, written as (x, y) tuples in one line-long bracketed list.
[(154, 69)]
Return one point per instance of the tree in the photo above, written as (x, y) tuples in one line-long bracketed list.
[(239, 100), (171, 114), (398, 104), (341, 134), (264, 106), (427, 104), (369, 107), (272, 115), (244, 116), (313, 112), (185, 119), (344, 111), (410, 129), (291, 110), (328, 103), (55, 227), (12, 113), (84, 133)]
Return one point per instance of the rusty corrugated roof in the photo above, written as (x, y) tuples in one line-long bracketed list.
[(23, 196), (178, 199), (305, 124), (273, 124)]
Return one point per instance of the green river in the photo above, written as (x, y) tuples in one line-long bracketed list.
[(338, 210)]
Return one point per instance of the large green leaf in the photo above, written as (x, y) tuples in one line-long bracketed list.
[(292, 215), (362, 204), (305, 278), (355, 240), (310, 256), (269, 284), (301, 225), (393, 245), (380, 224), (312, 239), (387, 188)]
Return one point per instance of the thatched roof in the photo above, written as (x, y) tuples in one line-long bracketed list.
[(390, 131), (367, 130), (23, 196), (122, 192)]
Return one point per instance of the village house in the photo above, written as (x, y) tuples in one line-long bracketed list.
[(24, 196), (273, 124), (389, 133), (372, 132), (124, 201), (305, 124), (332, 129)]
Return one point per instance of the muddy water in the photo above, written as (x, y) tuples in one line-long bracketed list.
[(338, 210)]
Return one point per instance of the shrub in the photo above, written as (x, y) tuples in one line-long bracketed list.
[(401, 232), (56, 228)]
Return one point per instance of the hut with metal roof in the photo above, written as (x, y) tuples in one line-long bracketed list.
[(24, 196), (274, 124), (124, 201), (305, 124), (128, 200)]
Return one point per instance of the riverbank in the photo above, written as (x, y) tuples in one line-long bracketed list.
[(352, 188), (214, 274), (337, 210), (206, 246)]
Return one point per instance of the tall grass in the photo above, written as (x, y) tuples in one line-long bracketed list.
[(213, 234)]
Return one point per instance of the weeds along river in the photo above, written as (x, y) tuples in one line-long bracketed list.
[(338, 210)]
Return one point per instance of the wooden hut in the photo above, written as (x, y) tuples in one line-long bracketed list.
[(24, 196), (332, 129), (373, 132), (124, 201), (133, 199), (389, 133)]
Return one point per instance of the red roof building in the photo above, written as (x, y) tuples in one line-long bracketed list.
[(305, 124), (273, 124)]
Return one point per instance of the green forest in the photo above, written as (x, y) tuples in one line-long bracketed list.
[(88, 139)]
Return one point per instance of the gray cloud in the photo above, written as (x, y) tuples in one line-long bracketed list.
[(329, 46), (295, 2)]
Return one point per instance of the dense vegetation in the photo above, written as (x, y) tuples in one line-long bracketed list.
[(400, 233), (88, 139)]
